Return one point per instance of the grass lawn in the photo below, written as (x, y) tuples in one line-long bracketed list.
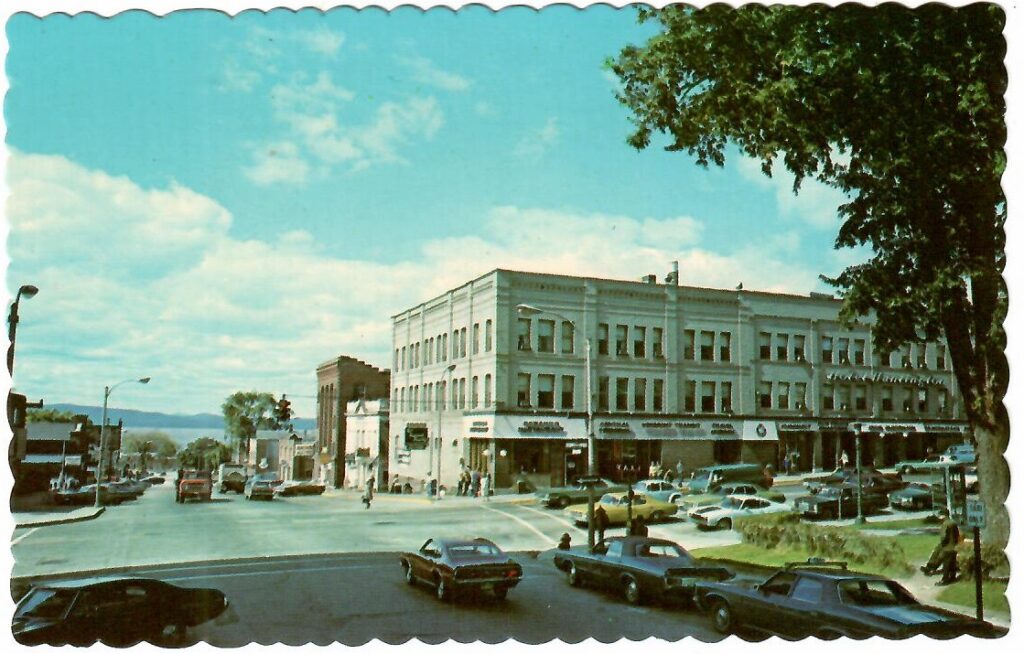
[(909, 523), (962, 594)]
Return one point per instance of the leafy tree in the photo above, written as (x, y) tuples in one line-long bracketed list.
[(204, 454), (244, 413), (902, 110), (50, 415), (149, 444)]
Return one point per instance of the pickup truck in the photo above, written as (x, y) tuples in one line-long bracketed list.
[(195, 483)]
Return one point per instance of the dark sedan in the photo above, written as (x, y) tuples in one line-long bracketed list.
[(838, 502), (638, 567), (918, 496), (118, 611), (826, 600), (563, 496), (453, 566), (871, 479), (294, 488)]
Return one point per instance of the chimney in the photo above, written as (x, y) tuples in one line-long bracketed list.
[(673, 277)]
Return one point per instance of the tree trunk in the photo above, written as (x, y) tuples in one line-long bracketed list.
[(994, 482)]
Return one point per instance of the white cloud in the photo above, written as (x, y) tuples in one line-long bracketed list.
[(816, 205), (278, 162), (143, 281), (485, 109), (263, 50), (535, 144), (321, 41), (427, 72)]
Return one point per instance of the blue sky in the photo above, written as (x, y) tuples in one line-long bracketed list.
[(224, 203)]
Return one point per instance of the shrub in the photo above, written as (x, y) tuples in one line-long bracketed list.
[(994, 562)]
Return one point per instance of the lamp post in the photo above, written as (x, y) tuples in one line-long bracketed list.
[(440, 441), (28, 291), (858, 437), (529, 310), (107, 390)]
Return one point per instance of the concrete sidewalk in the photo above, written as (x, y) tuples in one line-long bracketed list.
[(39, 519), (356, 495)]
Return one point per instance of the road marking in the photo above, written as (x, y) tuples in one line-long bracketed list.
[(552, 517), (522, 522), (23, 536)]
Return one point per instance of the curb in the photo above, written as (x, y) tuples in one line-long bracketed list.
[(46, 522)]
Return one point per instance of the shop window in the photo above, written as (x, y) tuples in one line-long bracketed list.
[(764, 395), (658, 342), (725, 346), (546, 391), (828, 398), (783, 396), (568, 386), (659, 395), (621, 394), (844, 351), (545, 335), (725, 389), (640, 394), (799, 349), (826, 349), (523, 389), (764, 350), (782, 347), (860, 398), (476, 338), (621, 344), (859, 345), (688, 344), (690, 396), (602, 393), (523, 334), (639, 342), (568, 338), (602, 338), (707, 397), (887, 398), (488, 336)]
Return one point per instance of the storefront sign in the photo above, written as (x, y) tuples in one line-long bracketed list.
[(575, 446), (797, 426), (883, 378), (617, 427), (902, 428), (724, 428), (548, 427), (945, 428), (416, 436), (481, 427)]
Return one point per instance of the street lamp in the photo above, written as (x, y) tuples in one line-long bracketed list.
[(529, 310), (107, 390), (28, 291), (440, 441)]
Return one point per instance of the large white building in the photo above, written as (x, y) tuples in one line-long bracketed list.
[(678, 373)]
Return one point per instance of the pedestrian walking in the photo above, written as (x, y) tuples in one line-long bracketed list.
[(600, 522), (943, 557), (464, 479), (485, 486), (474, 483), (844, 460), (369, 486)]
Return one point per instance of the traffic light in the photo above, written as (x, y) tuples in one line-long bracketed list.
[(283, 411)]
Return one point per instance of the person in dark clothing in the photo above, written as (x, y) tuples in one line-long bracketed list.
[(639, 526), (475, 483), (943, 557), (600, 522), (565, 542), (177, 485)]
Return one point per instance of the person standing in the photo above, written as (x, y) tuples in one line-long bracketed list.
[(600, 522), (485, 486), (474, 483), (844, 460), (177, 485), (639, 526), (679, 470), (943, 557)]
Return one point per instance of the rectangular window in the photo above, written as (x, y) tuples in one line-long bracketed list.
[(783, 396), (546, 391), (908, 399), (860, 397), (545, 335), (658, 342), (640, 394), (707, 397), (799, 351), (442, 343), (394, 366), (940, 356), (462, 392), (523, 389), (800, 396), (442, 391), (476, 338), (725, 390), (707, 346), (922, 355), (401, 399), (462, 344), (844, 350), (568, 397), (943, 401), (639, 342), (488, 336), (403, 358), (568, 338), (887, 398), (764, 346), (826, 349), (828, 398), (859, 345), (602, 393), (523, 335), (659, 395), (922, 400), (602, 338), (690, 397), (621, 394), (475, 401), (428, 351), (688, 344), (782, 347), (725, 346), (764, 395), (621, 346), (843, 390), (905, 357), (487, 390)]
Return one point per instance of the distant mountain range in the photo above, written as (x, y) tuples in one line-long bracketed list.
[(152, 419)]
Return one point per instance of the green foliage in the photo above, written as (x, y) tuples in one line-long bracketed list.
[(899, 108), (150, 446), (247, 411), (204, 454), (994, 562), (50, 415)]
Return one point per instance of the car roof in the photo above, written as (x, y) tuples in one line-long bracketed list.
[(745, 497), (835, 574), (87, 581), (450, 542), (641, 539)]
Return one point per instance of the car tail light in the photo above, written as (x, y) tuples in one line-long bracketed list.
[(512, 573)]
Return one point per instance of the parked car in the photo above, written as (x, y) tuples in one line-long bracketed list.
[(196, 484), (927, 464), (708, 477), (118, 611), (659, 489), (563, 496), (826, 600), (961, 453), (723, 515), (640, 568), (154, 479), (917, 496), (453, 566), (870, 478), (86, 495), (616, 506), (838, 502), (260, 486), (716, 494), (231, 476), (291, 488), (134, 488)]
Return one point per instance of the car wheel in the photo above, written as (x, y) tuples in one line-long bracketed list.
[(721, 616), (563, 502), (657, 516), (574, 576), (674, 499), (443, 592), (410, 578), (500, 592), (631, 590), (725, 523)]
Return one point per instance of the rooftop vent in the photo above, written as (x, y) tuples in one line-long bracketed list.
[(649, 279)]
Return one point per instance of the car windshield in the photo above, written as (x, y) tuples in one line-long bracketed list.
[(664, 550), (46, 603), (830, 491), (474, 550), (731, 503), (874, 592), (609, 499)]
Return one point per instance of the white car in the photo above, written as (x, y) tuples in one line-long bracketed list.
[(721, 516)]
